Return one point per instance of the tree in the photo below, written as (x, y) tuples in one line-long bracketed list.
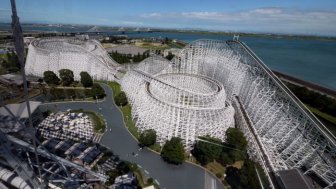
[(12, 64), (97, 91), (147, 137), (206, 152), (246, 177), (170, 56), (66, 76), (236, 140), (173, 151), (225, 159), (50, 78), (121, 99), (86, 79)]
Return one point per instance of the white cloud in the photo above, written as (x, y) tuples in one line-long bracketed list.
[(131, 23), (272, 19), (151, 15), (267, 11)]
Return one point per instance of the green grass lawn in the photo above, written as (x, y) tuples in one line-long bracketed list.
[(175, 45), (331, 120), (323, 115), (154, 47), (126, 110), (115, 88), (216, 168), (156, 147)]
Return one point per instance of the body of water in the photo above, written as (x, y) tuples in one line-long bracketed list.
[(310, 60)]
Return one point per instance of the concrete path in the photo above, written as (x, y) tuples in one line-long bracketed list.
[(120, 141)]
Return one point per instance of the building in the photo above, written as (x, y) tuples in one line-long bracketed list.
[(173, 51), (127, 181)]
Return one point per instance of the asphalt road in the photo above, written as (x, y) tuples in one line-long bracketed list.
[(121, 142)]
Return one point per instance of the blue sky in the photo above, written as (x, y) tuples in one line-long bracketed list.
[(317, 17)]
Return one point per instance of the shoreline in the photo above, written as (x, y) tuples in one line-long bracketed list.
[(309, 85)]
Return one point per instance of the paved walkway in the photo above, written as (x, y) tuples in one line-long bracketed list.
[(120, 141)]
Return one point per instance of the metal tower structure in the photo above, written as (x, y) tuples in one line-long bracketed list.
[(17, 166)]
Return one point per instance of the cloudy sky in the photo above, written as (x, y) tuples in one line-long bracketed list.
[(314, 17)]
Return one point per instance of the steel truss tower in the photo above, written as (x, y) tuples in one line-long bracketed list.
[(24, 162)]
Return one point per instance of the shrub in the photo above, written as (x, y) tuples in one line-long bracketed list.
[(206, 152), (121, 99), (66, 76), (97, 91), (173, 151), (50, 78), (86, 79), (147, 137)]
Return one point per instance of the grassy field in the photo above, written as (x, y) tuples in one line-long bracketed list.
[(324, 116), (153, 46), (126, 111), (98, 121), (115, 88), (156, 147), (218, 170), (176, 45)]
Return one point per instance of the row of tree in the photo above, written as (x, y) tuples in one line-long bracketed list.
[(67, 78), (314, 99), (208, 149), (170, 56), (126, 58), (172, 151)]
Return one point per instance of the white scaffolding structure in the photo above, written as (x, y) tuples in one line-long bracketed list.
[(70, 53), (191, 96), (289, 134), (173, 103)]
